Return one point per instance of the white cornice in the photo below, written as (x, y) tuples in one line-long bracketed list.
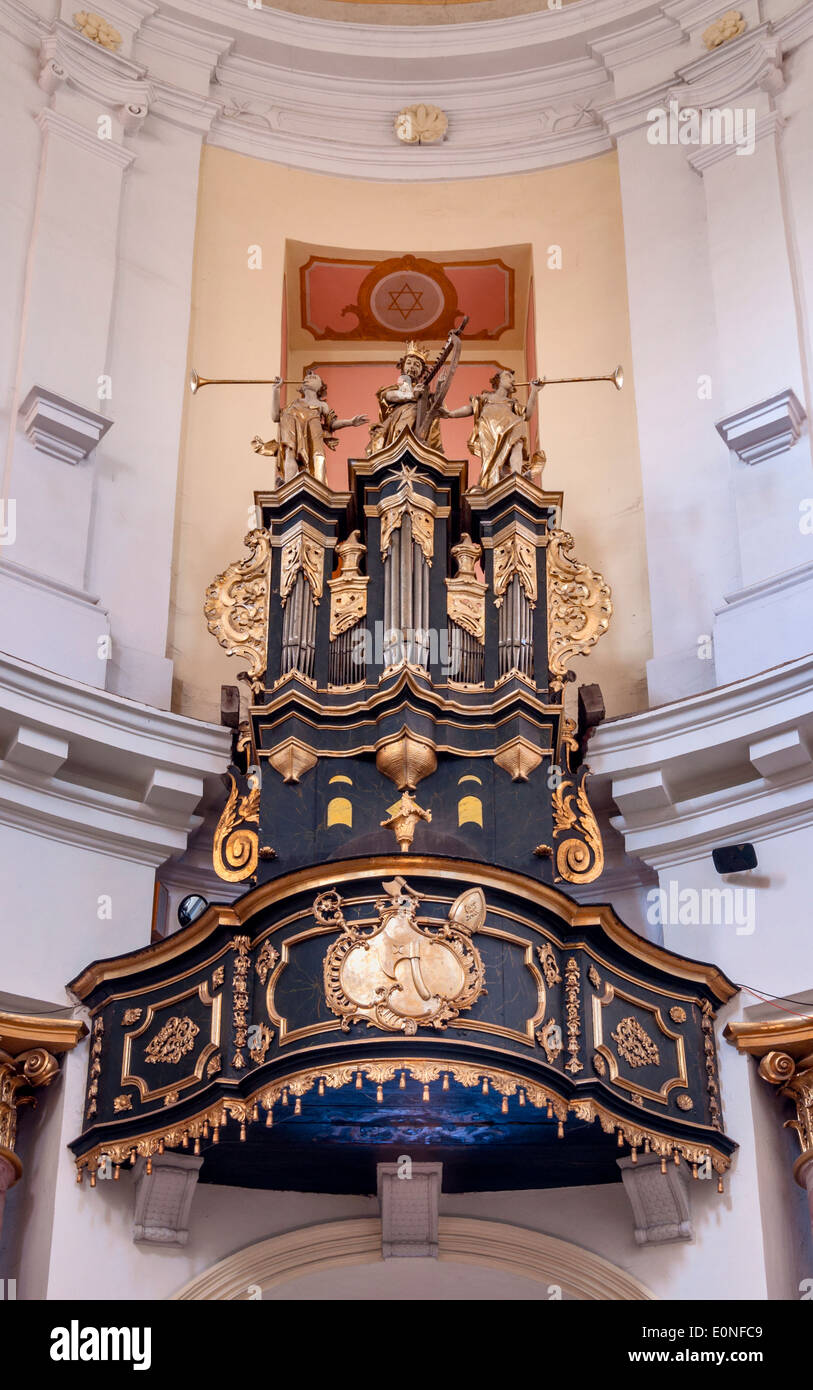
[(704, 756), (80, 765), (521, 93)]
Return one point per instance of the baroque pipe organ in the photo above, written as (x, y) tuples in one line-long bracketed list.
[(407, 806)]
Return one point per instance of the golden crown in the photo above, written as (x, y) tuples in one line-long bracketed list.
[(414, 349)]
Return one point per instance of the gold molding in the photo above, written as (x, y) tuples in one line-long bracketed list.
[(573, 914), (143, 1087), (579, 607), (303, 549), (427, 1071), (784, 1048), (600, 1002), (236, 606), (31, 1047)]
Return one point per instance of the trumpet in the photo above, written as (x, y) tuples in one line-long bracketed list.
[(196, 382), (616, 377)]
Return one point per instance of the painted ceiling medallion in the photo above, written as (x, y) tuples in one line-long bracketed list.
[(400, 974), (421, 125)]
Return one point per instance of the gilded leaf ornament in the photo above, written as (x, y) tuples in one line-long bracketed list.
[(635, 1045), (235, 848), (173, 1041), (579, 607), (236, 607), (579, 856)]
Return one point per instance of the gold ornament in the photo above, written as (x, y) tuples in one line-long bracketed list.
[(235, 849), (236, 607), (97, 30), (402, 975), (421, 124), (173, 1041), (403, 818), (579, 607), (635, 1045)]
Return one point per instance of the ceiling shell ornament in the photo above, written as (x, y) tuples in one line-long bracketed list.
[(421, 124)]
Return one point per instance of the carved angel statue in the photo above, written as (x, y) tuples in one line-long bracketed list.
[(307, 427), (415, 402), (500, 435)]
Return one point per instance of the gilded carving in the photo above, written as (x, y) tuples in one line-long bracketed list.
[(214, 1064), (635, 1045), (266, 960), (406, 759), (301, 552), (519, 757), (710, 1057), (173, 1041), (550, 1038), (685, 1102), (466, 594), (547, 960), (292, 759), (579, 607), (406, 501), (235, 848), (403, 819), (131, 1015), (677, 1014), (241, 945), (599, 1064), (121, 1103), (578, 860), (425, 1073), (348, 591), (514, 554), (261, 1039), (594, 977), (401, 974), (573, 1014), (236, 607)]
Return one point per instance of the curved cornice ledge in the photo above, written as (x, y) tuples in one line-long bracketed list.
[(521, 93)]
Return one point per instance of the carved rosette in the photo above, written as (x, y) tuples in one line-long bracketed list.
[(235, 849), (236, 607), (579, 607), (402, 974)]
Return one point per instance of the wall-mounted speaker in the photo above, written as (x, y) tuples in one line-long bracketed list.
[(733, 859)]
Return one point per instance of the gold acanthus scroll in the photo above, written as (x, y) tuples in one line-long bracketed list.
[(579, 607), (236, 606)]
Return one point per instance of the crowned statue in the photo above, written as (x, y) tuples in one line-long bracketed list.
[(307, 427), (500, 436), (415, 402)]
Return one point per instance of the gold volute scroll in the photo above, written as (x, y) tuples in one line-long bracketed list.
[(579, 856), (403, 974), (579, 607), (236, 606), (466, 597), (235, 850), (348, 591), (514, 553)]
